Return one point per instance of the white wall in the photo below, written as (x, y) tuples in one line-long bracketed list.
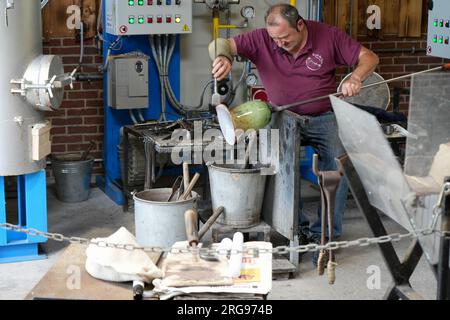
[(195, 61)]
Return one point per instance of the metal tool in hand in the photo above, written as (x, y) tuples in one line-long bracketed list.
[(215, 98)]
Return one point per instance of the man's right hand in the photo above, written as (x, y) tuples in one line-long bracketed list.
[(221, 67)]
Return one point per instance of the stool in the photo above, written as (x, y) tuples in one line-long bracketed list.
[(261, 229)]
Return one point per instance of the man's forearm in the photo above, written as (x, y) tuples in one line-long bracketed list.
[(367, 63)]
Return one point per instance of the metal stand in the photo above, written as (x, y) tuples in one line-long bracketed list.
[(31, 213), (261, 229), (443, 273), (401, 271)]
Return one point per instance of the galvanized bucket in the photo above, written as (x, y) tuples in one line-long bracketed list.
[(240, 192), (72, 177), (158, 222)]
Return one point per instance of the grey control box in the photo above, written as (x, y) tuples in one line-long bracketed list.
[(438, 40), (140, 17), (128, 82)]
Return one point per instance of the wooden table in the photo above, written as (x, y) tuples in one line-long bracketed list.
[(68, 279)]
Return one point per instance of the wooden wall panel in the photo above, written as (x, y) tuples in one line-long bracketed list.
[(343, 14), (377, 33), (55, 19), (391, 12), (55, 16), (398, 17), (362, 16), (329, 12), (410, 22)]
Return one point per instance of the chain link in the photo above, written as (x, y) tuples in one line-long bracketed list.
[(334, 245)]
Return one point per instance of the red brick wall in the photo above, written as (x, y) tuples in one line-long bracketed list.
[(395, 64), (80, 117)]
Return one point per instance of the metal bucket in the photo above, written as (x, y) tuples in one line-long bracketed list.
[(72, 178), (240, 192), (158, 222)]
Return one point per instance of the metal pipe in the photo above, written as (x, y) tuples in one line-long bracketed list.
[(215, 24), (413, 50), (89, 77)]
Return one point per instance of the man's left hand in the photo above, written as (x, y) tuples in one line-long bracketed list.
[(351, 87)]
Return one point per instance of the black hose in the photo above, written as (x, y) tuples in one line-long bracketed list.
[(88, 77)]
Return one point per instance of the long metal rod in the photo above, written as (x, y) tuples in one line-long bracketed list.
[(299, 103)]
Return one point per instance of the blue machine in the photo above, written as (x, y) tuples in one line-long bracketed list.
[(116, 119), (127, 26), (31, 213)]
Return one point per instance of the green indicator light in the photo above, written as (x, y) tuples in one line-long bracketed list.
[(141, 20), (131, 2), (440, 40), (131, 20), (434, 40), (141, 2), (435, 23)]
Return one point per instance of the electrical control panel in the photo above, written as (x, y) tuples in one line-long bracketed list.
[(140, 17), (128, 82), (439, 28)]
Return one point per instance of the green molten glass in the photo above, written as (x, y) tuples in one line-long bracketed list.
[(251, 115)]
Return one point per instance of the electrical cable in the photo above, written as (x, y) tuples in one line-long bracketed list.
[(81, 43), (141, 116), (110, 48), (163, 47), (130, 111)]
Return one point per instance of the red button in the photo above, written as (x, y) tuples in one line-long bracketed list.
[(159, 19), (446, 41), (149, 19), (168, 19), (150, 2)]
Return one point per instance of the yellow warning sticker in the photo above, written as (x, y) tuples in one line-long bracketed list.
[(186, 28)]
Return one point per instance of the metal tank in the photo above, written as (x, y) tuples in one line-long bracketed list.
[(27, 87)]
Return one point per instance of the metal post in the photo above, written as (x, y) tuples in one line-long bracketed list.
[(443, 268)]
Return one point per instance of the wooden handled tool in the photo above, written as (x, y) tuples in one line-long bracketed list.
[(186, 176), (190, 220), (210, 222), (190, 187)]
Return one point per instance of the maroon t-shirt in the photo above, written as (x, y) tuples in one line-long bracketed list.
[(310, 75)]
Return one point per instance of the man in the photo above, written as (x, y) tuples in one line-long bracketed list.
[(296, 60)]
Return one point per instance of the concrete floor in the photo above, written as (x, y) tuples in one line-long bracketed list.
[(100, 217)]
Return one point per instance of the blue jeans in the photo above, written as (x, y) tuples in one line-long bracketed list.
[(321, 132)]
